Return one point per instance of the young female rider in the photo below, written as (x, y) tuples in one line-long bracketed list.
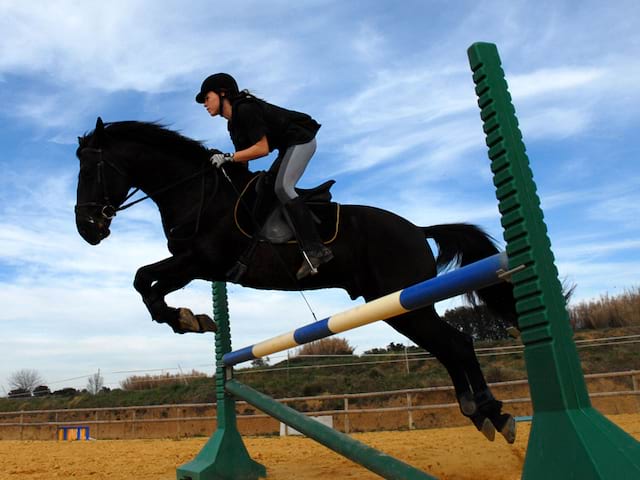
[(256, 129)]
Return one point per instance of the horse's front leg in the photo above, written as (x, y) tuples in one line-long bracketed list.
[(157, 280)]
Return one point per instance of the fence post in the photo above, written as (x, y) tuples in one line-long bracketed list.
[(406, 360), (410, 412), (347, 426), (177, 422)]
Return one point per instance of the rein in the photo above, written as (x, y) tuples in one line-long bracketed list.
[(108, 211)]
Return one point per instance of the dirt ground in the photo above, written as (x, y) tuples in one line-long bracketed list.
[(459, 453)]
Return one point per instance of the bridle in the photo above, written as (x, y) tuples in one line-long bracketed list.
[(107, 208)]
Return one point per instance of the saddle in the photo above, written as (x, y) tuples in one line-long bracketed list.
[(260, 216)]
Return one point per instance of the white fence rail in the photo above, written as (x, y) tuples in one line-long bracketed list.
[(134, 418)]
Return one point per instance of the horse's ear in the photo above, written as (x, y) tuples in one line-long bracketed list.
[(98, 133)]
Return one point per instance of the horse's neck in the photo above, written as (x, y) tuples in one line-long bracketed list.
[(182, 202), (174, 184)]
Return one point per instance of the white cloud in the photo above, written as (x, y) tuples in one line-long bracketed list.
[(589, 273), (368, 44), (553, 80), (65, 251), (129, 45), (415, 93), (556, 122), (621, 207), (400, 128)]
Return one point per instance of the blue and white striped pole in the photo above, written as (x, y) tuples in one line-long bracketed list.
[(475, 276)]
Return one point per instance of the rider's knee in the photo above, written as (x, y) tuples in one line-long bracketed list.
[(283, 193)]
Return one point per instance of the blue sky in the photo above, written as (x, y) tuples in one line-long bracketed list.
[(391, 85)]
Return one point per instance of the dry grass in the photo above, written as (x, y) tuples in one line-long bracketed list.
[(148, 382), (607, 312)]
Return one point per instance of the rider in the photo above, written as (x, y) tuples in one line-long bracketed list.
[(256, 129)]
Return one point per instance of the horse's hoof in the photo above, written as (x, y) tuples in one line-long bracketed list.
[(189, 322), (508, 430), (488, 430), (206, 323)]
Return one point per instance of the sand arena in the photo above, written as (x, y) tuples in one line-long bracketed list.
[(458, 453)]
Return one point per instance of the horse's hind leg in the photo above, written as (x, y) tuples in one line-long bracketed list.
[(426, 333), (483, 409), (454, 349)]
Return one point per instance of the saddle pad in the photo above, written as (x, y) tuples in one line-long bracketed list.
[(327, 213)]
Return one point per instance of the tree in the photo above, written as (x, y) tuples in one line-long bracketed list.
[(25, 379), (478, 322), (396, 347), (260, 362), (95, 383), (568, 289)]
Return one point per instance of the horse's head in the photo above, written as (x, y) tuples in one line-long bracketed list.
[(102, 186)]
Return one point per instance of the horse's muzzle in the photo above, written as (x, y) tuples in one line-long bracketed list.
[(93, 231)]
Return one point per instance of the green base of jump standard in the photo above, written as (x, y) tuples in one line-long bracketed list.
[(384, 465), (569, 439), (580, 444), (224, 456)]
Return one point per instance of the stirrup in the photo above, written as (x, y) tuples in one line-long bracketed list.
[(312, 268), (312, 261)]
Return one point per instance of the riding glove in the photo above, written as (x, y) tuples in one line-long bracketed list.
[(217, 159)]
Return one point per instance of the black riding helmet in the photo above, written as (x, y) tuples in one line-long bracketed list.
[(218, 82)]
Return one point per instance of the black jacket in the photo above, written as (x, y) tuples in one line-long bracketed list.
[(253, 118)]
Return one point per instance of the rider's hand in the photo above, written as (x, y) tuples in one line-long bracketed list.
[(217, 159)]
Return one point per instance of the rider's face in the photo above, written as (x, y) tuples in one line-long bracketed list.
[(212, 103)]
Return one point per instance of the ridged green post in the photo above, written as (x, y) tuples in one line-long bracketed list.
[(224, 456), (569, 438)]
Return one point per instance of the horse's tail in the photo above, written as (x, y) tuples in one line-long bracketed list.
[(460, 244)]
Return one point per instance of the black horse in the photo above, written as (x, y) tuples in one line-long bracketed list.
[(376, 252)]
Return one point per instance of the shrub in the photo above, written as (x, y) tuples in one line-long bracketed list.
[(41, 391), (19, 393), (66, 392), (327, 346)]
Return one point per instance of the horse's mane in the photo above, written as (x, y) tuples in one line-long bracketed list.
[(152, 133)]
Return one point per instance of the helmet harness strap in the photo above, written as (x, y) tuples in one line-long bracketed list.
[(221, 102)]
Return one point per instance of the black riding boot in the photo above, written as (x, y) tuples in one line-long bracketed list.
[(313, 249)]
